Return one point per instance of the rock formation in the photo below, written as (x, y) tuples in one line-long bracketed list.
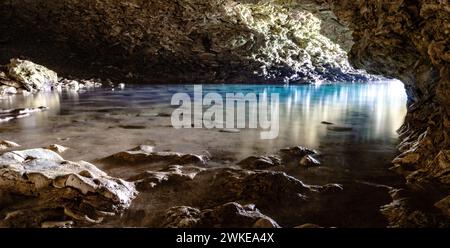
[(23, 76), (228, 215), (39, 188), (409, 40)]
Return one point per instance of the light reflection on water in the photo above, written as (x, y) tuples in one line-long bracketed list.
[(374, 110)]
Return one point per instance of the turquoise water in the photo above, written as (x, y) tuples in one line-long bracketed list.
[(104, 121)]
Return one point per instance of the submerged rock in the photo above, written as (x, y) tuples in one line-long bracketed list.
[(11, 114), (146, 155), (38, 186), (228, 215)]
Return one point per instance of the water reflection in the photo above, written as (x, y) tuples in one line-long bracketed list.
[(374, 111)]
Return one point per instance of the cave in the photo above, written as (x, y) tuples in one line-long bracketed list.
[(361, 90)]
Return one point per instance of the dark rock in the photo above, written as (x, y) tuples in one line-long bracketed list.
[(228, 215), (146, 155), (297, 151), (309, 161), (11, 114), (260, 162)]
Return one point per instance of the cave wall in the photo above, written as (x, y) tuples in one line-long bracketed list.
[(409, 40), (254, 41), (192, 40)]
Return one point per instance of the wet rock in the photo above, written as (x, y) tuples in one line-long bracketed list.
[(263, 188), (228, 215), (45, 187), (6, 144), (299, 155), (260, 162), (57, 148), (71, 85), (78, 85), (147, 155), (173, 174), (309, 161), (31, 76), (297, 151)]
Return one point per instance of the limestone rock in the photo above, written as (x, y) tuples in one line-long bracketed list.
[(174, 174), (225, 216), (7, 90), (147, 155), (32, 76), (6, 144), (57, 148), (309, 161), (47, 188)]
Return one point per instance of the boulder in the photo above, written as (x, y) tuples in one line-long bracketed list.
[(38, 186), (228, 215), (31, 76)]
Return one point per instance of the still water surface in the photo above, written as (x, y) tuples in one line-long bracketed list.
[(100, 122)]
